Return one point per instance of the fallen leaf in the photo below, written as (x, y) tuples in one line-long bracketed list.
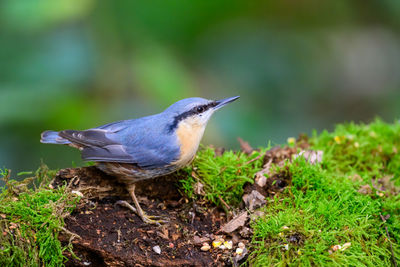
[(235, 223), (260, 180), (253, 200)]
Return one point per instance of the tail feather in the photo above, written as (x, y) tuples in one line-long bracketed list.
[(52, 137)]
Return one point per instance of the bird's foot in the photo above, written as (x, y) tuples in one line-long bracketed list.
[(149, 219)]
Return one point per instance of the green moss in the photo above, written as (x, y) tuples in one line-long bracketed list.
[(31, 219), (323, 205), (223, 176), (370, 150)]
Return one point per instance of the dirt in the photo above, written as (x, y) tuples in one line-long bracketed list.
[(111, 235), (120, 238)]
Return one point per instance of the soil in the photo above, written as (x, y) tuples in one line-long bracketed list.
[(112, 235)]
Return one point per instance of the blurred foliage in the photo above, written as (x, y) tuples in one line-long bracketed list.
[(298, 65)]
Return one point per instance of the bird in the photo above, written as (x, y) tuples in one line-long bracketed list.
[(144, 148)]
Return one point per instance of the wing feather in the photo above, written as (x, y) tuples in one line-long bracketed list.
[(92, 137), (138, 142)]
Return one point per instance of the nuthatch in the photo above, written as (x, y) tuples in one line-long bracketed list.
[(144, 148)]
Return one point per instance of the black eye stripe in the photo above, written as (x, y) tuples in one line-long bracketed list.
[(193, 111), (202, 108)]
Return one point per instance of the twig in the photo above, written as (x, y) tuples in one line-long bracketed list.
[(390, 241), (225, 204), (72, 235), (252, 160)]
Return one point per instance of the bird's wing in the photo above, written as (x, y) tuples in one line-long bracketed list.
[(97, 146), (126, 142)]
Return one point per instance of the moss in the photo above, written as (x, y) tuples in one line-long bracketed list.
[(325, 208), (369, 150), (32, 216), (224, 176)]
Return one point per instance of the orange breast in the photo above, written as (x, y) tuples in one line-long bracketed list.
[(189, 136)]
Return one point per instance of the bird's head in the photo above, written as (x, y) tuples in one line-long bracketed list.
[(195, 112)]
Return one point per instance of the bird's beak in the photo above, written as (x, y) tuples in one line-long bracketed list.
[(223, 102)]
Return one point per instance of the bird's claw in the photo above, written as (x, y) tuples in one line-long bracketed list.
[(149, 219)]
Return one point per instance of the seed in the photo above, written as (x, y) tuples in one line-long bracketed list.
[(205, 247)]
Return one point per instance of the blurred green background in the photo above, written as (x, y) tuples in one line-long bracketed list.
[(297, 65)]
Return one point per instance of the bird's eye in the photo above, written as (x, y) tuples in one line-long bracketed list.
[(200, 109)]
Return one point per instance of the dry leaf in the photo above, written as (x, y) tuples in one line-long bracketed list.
[(253, 200), (235, 223), (260, 180)]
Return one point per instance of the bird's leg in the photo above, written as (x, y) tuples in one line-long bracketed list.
[(138, 210)]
